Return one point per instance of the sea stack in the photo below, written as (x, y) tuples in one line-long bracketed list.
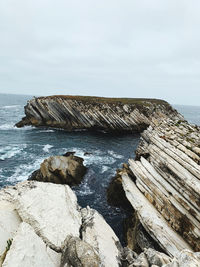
[(95, 113)]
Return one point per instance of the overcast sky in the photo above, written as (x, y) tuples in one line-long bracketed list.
[(116, 48)]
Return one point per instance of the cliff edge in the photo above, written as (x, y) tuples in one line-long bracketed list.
[(95, 113)]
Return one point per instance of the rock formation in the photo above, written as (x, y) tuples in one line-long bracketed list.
[(95, 113), (42, 223), (164, 185), (67, 169)]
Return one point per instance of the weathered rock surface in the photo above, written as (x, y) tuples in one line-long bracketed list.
[(28, 249), (96, 232), (94, 113), (165, 190), (44, 219), (77, 253), (61, 170)]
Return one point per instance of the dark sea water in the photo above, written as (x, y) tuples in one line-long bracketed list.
[(22, 151)]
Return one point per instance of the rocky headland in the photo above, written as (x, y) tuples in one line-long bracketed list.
[(42, 222), (95, 113)]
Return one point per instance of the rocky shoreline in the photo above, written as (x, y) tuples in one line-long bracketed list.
[(161, 187)]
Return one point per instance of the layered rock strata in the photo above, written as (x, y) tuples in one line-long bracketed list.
[(95, 113), (165, 190)]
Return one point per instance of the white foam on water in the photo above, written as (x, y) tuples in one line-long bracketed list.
[(47, 147), (105, 168), (13, 106), (96, 157), (8, 152), (23, 171), (46, 131), (11, 126), (115, 155)]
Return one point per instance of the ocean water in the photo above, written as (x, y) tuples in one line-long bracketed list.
[(22, 151)]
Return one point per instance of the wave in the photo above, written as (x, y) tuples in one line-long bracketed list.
[(47, 147), (10, 126), (12, 106), (46, 131), (96, 157), (8, 152), (115, 155), (23, 171), (104, 168)]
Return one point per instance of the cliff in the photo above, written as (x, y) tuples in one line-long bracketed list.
[(163, 184), (95, 113)]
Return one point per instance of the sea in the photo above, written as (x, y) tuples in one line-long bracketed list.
[(22, 150)]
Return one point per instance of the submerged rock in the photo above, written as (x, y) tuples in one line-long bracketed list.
[(67, 169)]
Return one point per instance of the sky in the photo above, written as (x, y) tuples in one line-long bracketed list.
[(111, 48)]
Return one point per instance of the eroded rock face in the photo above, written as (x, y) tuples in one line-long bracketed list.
[(61, 170), (40, 218), (28, 249), (166, 191), (96, 232), (77, 253), (93, 113)]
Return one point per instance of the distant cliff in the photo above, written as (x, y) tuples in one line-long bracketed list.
[(95, 113)]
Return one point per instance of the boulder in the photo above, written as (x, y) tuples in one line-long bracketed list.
[(78, 253), (28, 249), (96, 232), (67, 169)]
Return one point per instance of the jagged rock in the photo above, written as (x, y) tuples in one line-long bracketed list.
[(67, 169), (128, 257), (51, 209), (152, 221), (28, 249), (94, 113), (9, 223), (185, 259), (78, 253), (167, 181), (141, 261), (96, 232), (115, 192), (156, 258)]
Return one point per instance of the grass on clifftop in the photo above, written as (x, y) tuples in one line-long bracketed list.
[(108, 99)]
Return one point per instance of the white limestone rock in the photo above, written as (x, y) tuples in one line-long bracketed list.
[(185, 259), (52, 211), (28, 250), (97, 233), (9, 223), (152, 221), (156, 258)]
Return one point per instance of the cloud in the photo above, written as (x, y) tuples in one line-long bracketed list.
[(130, 48)]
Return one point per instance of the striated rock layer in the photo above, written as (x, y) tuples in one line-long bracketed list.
[(165, 190), (95, 113)]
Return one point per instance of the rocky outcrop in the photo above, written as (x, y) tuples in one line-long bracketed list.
[(45, 224), (78, 253), (67, 169), (95, 113), (165, 190)]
